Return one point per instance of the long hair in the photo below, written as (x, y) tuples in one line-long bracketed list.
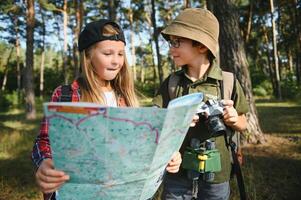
[(122, 84)]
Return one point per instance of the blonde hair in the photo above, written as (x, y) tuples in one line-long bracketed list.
[(122, 84)]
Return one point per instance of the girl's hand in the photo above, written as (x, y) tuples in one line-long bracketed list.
[(175, 162), (49, 179)]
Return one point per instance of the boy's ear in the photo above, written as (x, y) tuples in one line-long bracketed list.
[(203, 49)]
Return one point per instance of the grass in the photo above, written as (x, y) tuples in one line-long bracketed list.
[(271, 170), (280, 118), (16, 171)]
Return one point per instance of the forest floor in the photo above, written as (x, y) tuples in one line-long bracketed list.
[(271, 170)]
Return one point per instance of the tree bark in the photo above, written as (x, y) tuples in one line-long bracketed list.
[(28, 76), (270, 68), (6, 69), (298, 41), (112, 10), (233, 58), (290, 60), (275, 55), (133, 50), (42, 56), (187, 4), (78, 7), (65, 54), (17, 45), (249, 23), (156, 34)]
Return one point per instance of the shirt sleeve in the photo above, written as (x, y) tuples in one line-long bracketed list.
[(240, 102), (162, 98), (41, 148)]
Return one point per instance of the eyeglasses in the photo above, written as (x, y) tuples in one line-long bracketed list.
[(175, 43)]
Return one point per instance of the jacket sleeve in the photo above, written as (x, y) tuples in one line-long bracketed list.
[(41, 148), (162, 98)]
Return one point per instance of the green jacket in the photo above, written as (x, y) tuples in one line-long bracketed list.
[(209, 85)]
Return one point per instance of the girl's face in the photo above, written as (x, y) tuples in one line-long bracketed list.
[(182, 51), (107, 59)]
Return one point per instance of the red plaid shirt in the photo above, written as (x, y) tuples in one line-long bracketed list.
[(41, 149)]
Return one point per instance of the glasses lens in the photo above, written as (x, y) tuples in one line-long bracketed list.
[(174, 43)]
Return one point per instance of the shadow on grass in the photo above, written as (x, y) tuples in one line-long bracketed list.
[(272, 172), (272, 178)]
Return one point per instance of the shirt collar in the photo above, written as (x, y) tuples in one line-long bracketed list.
[(213, 72)]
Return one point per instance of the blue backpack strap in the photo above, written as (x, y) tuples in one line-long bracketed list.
[(66, 95)]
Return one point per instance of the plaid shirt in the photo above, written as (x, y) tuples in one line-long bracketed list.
[(41, 149)]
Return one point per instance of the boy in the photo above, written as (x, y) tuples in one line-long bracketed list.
[(193, 39)]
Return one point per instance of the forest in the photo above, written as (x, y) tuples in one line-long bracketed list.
[(260, 42)]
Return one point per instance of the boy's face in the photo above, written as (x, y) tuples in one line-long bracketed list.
[(183, 52), (107, 58)]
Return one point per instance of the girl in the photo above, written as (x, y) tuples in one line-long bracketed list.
[(106, 80)]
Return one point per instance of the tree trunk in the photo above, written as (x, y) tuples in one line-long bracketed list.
[(42, 57), (290, 60), (112, 9), (133, 50), (270, 68), (6, 69), (276, 63), (233, 56), (65, 54), (187, 4), (78, 6), (156, 34), (28, 76), (298, 41), (153, 62), (42, 74), (142, 74), (249, 23), (17, 45)]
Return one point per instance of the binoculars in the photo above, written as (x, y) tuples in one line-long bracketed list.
[(204, 160)]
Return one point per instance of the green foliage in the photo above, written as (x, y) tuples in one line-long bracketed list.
[(148, 88), (263, 89), (290, 88), (9, 100), (261, 86)]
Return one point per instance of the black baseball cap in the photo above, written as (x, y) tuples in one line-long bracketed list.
[(93, 32)]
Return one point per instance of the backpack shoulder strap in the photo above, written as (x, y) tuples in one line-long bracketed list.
[(173, 82), (66, 95), (228, 85)]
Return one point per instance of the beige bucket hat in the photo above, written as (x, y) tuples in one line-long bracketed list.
[(195, 24)]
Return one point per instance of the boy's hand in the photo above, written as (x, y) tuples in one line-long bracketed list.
[(230, 114), (195, 120), (49, 179), (175, 162), (231, 118)]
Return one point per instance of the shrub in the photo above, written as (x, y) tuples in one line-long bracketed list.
[(9, 100)]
